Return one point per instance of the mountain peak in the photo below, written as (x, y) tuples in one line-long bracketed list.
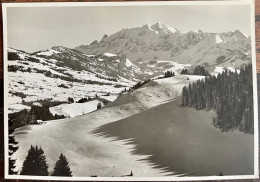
[(240, 33), (159, 24), (60, 48), (160, 27)]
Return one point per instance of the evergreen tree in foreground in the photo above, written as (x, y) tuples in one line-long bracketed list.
[(99, 105), (35, 163), (12, 148), (62, 167)]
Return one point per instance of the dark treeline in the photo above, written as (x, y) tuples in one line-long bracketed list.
[(88, 99), (230, 94), (199, 70), (185, 72), (168, 74), (139, 84), (25, 117), (12, 148)]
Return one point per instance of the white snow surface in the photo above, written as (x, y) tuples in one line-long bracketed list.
[(219, 69), (36, 86), (165, 28), (176, 67), (128, 63), (110, 98), (163, 90), (109, 54), (48, 52), (17, 108), (39, 87), (87, 153), (160, 27), (90, 55), (90, 154), (218, 39), (75, 109)]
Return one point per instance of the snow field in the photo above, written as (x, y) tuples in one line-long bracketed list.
[(75, 109), (90, 154), (163, 90), (218, 39), (87, 154), (48, 52), (39, 87), (219, 69)]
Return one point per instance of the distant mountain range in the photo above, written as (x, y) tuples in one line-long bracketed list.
[(107, 67), (162, 42)]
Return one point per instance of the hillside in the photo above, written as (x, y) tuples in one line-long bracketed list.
[(54, 76), (74, 138), (115, 135), (182, 139), (156, 92), (59, 73)]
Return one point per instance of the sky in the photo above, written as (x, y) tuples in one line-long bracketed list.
[(37, 28)]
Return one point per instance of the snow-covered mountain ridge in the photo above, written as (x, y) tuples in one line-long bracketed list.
[(58, 73), (163, 42), (118, 61), (46, 76)]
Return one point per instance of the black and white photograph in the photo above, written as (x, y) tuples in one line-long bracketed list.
[(130, 91)]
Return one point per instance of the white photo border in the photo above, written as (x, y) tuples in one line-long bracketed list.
[(134, 3)]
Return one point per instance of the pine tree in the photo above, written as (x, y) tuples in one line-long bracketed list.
[(185, 72), (12, 148), (99, 105), (200, 70), (35, 163), (70, 100), (168, 74), (62, 167), (185, 97)]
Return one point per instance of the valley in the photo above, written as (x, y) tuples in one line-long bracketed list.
[(115, 107)]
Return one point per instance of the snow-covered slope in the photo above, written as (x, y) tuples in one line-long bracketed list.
[(219, 69), (58, 73), (98, 153), (33, 78), (108, 64), (89, 154), (156, 92)]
